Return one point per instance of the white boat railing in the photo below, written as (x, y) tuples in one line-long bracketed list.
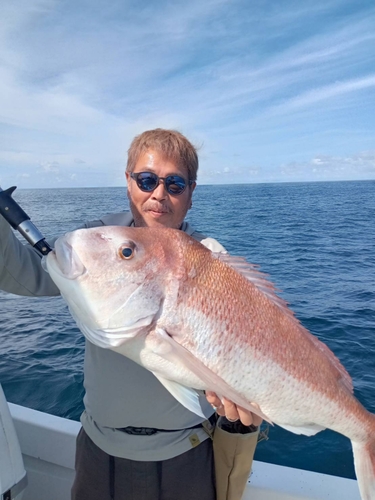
[(48, 446)]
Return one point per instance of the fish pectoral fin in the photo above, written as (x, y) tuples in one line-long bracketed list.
[(184, 395), (212, 382), (306, 430)]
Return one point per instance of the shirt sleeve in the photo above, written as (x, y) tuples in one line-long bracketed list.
[(21, 272)]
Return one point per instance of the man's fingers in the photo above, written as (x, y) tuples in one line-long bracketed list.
[(232, 412), (246, 417), (215, 402), (257, 420)]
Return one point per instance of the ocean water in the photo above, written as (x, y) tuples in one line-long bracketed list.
[(316, 241)]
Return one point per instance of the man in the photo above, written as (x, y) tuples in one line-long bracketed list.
[(137, 442)]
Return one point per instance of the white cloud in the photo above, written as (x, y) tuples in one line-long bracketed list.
[(52, 167), (324, 167), (329, 92)]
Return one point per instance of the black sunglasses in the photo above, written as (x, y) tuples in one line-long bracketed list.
[(148, 181)]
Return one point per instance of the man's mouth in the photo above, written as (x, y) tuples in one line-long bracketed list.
[(158, 213)]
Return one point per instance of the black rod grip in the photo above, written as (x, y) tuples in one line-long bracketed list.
[(20, 221), (10, 209)]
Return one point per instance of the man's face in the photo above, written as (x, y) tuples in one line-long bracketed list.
[(158, 207)]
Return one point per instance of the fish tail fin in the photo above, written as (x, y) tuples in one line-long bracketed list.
[(364, 463)]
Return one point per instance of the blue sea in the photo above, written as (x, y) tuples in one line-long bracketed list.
[(316, 241)]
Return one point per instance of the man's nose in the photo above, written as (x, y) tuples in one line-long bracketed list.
[(160, 192)]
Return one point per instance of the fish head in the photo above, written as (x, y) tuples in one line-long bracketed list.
[(112, 278)]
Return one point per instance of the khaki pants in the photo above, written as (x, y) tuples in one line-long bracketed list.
[(233, 455)]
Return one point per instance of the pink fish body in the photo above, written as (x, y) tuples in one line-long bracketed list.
[(206, 321)]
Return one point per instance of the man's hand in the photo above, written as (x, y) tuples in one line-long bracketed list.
[(231, 411)]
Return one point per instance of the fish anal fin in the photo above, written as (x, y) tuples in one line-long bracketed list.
[(306, 430)]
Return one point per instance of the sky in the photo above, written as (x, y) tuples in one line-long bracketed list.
[(268, 90)]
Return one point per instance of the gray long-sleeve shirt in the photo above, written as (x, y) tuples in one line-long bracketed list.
[(119, 393)]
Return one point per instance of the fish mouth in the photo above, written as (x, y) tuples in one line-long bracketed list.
[(67, 260)]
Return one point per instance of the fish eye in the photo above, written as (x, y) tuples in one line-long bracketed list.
[(127, 251)]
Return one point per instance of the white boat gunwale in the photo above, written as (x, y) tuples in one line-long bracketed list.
[(48, 448)]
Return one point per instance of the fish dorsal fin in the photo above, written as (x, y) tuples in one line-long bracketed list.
[(259, 280)]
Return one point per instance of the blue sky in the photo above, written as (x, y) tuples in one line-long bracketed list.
[(270, 90)]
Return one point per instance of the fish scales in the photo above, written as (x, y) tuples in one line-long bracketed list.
[(236, 321), (204, 321)]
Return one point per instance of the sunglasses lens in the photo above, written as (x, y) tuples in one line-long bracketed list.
[(147, 181), (175, 184)]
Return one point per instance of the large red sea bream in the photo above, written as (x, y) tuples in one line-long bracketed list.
[(199, 320)]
